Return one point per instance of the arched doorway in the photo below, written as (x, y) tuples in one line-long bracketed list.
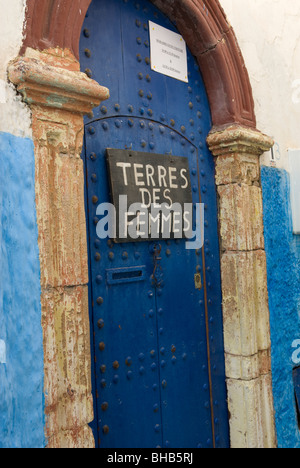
[(47, 75), (158, 337), (205, 28)]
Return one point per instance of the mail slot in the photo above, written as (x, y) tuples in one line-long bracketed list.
[(125, 275)]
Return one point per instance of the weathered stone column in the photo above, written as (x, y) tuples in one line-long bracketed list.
[(244, 286), (59, 95)]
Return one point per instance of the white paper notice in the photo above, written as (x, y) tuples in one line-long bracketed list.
[(168, 52)]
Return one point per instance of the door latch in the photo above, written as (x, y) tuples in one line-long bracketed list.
[(198, 281), (157, 272)]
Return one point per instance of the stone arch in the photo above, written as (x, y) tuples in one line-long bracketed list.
[(58, 94), (53, 23)]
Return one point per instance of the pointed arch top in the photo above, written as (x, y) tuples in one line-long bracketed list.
[(58, 23)]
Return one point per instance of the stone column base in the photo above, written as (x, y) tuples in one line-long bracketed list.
[(244, 286)]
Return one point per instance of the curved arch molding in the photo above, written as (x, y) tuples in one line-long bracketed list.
[(57, 23)]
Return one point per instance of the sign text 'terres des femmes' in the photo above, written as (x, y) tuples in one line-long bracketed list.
[(151, 182)]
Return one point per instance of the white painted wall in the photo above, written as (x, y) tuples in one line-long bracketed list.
[(268, 33), (14, 115), (11, 29)]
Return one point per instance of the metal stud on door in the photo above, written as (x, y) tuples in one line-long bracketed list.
[(155, 306)]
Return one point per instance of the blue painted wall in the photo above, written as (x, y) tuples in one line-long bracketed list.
[(283, 263), (21, 359)]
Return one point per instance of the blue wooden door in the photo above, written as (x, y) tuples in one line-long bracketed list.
[(157, 341)]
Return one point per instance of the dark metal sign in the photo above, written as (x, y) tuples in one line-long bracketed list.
[(151, 194)]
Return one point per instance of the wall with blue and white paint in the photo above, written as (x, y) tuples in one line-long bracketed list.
[(21, 344), (269, 36), (21, 357), (283, 262)]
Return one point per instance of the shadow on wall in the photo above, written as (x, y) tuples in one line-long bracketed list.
[(283, 264)]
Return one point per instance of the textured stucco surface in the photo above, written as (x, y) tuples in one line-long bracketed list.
[(21, 375), (268, 34), (11, 27), (283, 264), (14, 115)]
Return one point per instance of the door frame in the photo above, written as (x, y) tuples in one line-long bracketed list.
[(47, 74)]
